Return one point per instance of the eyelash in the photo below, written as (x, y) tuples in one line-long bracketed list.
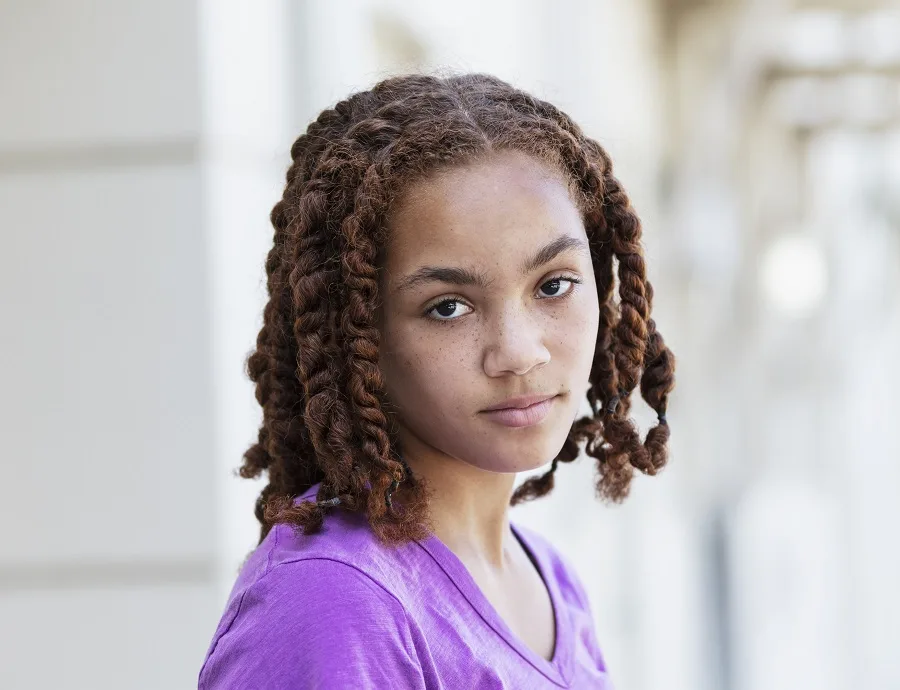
[(451, 300)]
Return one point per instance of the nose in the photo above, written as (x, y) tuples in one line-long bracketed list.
[(517, 346)]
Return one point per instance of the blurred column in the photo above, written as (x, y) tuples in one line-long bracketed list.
[(828, 334), (245, 142), (715, 53), (811, 316), (852, 188), (142, 146)]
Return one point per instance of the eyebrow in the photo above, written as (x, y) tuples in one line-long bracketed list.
[(466, 276)]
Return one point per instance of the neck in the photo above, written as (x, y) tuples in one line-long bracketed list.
[(468, 506)]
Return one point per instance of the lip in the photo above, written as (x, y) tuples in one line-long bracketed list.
[(527, 415), (521, 401)]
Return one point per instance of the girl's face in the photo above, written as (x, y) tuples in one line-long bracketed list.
[(488, 293)]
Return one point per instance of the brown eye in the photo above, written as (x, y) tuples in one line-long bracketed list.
[(556, 286), (446, 310)]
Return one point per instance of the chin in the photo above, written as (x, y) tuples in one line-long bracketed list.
[(526, 454), (519, 462)]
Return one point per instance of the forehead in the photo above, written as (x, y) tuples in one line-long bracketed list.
[(489, 212)]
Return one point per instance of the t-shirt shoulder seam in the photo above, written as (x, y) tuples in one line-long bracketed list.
[(359, 570), (221, 635), (266, 570), (410, 625), (270, 569)]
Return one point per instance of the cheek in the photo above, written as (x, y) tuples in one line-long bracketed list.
[(425, 371), (573, 333)]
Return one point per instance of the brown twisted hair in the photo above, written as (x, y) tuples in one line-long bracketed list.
[(315, 365)]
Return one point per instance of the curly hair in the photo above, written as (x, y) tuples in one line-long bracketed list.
[(315, 364)]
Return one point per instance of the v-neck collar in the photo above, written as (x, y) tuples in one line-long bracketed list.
[(559, 669)]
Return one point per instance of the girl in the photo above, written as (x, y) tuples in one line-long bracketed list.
[(441, 303)]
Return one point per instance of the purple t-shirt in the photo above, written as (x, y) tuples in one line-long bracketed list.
[(339, 610)]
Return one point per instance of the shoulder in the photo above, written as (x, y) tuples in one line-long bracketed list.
[(312, 611), (310, 623)]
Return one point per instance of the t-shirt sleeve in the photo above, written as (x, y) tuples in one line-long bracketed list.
[(314, 623)]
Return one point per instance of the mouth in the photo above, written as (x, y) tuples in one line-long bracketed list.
[(520, 402), (522, 415)]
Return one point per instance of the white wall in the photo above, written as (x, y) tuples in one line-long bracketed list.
[(136, 179)]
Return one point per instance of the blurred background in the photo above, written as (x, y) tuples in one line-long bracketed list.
[(142, 146)]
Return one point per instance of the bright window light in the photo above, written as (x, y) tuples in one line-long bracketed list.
[(793, 275)]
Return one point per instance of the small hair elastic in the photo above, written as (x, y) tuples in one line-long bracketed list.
[(387, 495), (661, 418), (612, 404), (330, 502), (407, 473)]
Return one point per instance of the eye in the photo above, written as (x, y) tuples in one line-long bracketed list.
[(449, 309), (446, 310), (555, 285)]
